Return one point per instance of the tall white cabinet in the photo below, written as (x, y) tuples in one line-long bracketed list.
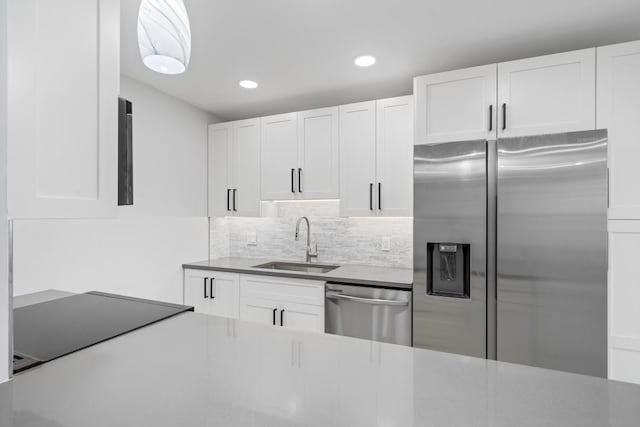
[(619, 112), (64, 70), (234, 168), (376, 163)]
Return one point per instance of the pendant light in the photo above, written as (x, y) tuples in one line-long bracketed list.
[(164, 36)]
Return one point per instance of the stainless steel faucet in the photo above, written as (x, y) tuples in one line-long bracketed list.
[(310, 254)]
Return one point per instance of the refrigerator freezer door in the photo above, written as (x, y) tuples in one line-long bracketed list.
[(450, 192), (552, 251)]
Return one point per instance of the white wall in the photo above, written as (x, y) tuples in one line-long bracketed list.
[(4, 244), (169, 154), (139, 253), (140, 257)]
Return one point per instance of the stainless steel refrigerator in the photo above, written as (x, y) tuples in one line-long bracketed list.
[(510, 250)]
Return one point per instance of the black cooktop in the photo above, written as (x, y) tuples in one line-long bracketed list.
[(51, 329)]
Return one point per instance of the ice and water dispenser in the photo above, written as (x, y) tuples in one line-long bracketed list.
[(448, 269)]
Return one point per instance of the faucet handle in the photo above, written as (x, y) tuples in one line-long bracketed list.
[(314, 253)]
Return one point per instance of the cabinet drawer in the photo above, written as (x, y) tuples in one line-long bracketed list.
[(283, 289)]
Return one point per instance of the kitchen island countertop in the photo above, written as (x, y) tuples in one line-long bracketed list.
[(199, 370), (345, 273)]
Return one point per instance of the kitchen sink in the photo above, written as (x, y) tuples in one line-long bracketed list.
[(298, 266)]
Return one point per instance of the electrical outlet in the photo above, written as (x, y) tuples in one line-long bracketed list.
[(252, 238), (386, 243)]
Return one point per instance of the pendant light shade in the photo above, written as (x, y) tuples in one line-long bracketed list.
[(164, 36)]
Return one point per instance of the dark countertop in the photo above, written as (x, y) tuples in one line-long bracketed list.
[(347, 273), (199, 370)]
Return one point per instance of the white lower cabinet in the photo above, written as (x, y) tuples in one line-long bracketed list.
[(624, 301), (284, 302), (212, 292)]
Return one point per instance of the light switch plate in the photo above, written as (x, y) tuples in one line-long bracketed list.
[(252, 238), (386, 243)]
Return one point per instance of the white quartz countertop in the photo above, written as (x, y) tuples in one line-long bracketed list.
[(199, 370), (345, 273)]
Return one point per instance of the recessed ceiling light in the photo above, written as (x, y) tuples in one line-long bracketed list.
[(248, 84), (365, 61)]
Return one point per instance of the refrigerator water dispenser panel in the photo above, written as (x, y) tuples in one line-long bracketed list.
[(448, 269)]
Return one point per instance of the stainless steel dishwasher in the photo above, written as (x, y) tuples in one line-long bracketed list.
[(374, 313)]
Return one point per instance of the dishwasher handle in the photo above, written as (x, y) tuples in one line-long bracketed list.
[(370, 301)]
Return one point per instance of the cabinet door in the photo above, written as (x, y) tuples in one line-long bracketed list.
[(456, 105), (394, 156), (279, 154), (246, 168), (303, 317), (548, 94), (318, 159), (619, 113), (219, 170), (224, 294), (213, 292), (357, 159), (197, 291), (259, 310), (64, 71), (624, 301)]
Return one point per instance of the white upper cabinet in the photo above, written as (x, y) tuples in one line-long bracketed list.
[(457, 105), (300, 157), (279, 154), (220, 161), (619, 113), (245, 192), (547, 94), (64, 71), (318, 158), (234, 168), (357, 159), (376, 158), (394, 156)]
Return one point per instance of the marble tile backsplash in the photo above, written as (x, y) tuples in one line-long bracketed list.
[(340, 240)]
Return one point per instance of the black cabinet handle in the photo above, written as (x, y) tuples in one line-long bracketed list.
[(205, 288), (234, 199), (293, 190), (282, 317), (504, 116), (371, 196), (228, 197), (379, 196), (490, 118), (274, 316), (211, 279), (299, 180)]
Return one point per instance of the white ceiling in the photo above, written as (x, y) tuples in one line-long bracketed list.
[(301, 51)]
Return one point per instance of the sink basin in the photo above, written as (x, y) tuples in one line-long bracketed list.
[(298, 266)]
